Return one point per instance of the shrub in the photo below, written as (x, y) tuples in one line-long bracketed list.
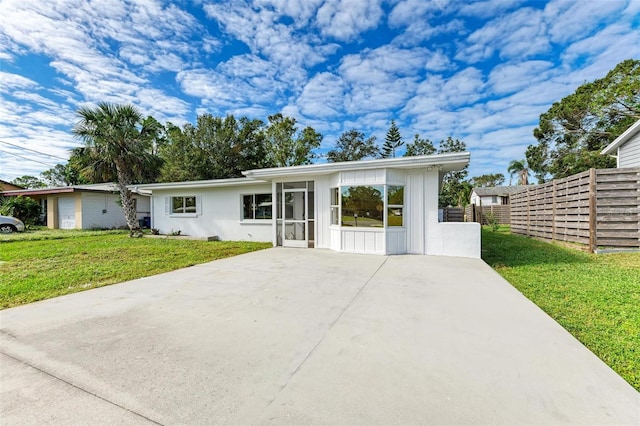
[(24, 208)]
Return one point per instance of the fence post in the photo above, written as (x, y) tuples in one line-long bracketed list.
[(553, 211), (592, 210), (528, 214)]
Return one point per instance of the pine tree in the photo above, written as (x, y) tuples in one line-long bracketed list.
[(392, 141)]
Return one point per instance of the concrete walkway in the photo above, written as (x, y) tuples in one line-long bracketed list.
[(286, 336)]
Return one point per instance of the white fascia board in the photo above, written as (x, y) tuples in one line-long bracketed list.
[(612, 148), (213, 183), (441, 162)]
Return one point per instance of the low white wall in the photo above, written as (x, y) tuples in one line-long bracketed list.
[(220, 214), (460, 239)]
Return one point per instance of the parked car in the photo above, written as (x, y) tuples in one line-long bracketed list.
[(10, 224)]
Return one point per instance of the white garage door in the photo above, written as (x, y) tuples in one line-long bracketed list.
[(66, 213)]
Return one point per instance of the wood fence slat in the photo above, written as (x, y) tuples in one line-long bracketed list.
[(595, 207)]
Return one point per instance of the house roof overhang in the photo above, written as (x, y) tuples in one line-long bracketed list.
[(612, 148), (441, 162), (213, 183), (38, 191), (108, 187)]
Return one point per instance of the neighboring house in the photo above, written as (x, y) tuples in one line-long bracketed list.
[(387, 206), (83, 206), (626, 147), (493, 196), (8, 186)]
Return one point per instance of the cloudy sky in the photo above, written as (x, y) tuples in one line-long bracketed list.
[(481, 71)]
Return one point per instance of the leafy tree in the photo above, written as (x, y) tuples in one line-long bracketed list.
[(29, 182), (572, 132), (420, 147), (117, 135), (62, 175), (285, 146), (521, 170), (455, 189), (392, 141), (214, 148), (24, 208), (488, 180), (536, 157), (352, 146)]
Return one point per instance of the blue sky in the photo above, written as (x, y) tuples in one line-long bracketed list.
[(481, 71)]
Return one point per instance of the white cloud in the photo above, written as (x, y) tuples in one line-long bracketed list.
[(489, 8), (438, 61), (521, 34), (345, 19), (569, 21), (10, 81), (323, 96), (509, 78), (242, 82)]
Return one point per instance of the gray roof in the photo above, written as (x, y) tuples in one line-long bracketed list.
[(498, 190)]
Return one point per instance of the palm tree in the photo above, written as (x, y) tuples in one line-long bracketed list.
[(118, 142), (521, 169)]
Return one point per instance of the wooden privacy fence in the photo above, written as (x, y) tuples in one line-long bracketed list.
[(501, 213), (599, 208), (453, 214)]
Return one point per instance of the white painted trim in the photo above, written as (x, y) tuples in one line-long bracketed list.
[(612, 148), (443, 162)]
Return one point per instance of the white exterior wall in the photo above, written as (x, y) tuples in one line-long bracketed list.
[(101, 211), (629, 153), (323, 211), (220, 214), (426, 235), (485, 200)]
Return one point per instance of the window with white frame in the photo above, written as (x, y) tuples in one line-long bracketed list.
[(184, 205), (335, 206), (257, 207), (395, 205)]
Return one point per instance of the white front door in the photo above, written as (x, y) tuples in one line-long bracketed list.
[(294, 208), (67, 213)]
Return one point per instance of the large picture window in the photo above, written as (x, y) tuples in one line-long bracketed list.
[(257, 207), (363, 206), (395, 205), (184, 205)]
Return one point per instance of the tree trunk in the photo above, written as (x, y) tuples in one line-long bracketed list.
[(128, 205)]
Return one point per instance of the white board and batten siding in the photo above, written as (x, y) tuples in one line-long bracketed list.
[(218, 213), (629, 153)]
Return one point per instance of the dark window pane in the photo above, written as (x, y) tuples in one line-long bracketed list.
[(264, 206), (189, 204), (177, 205), (247, 206)]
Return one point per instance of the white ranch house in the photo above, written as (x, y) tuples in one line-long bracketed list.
[(626, 147), (387, 206)]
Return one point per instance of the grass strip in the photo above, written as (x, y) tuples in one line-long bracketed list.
[(595, 297), (33, 269)]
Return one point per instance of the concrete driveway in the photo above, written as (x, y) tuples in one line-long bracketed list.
[(290, 336)]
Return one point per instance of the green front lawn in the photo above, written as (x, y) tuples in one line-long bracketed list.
[(43, 264), (595, 297)]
